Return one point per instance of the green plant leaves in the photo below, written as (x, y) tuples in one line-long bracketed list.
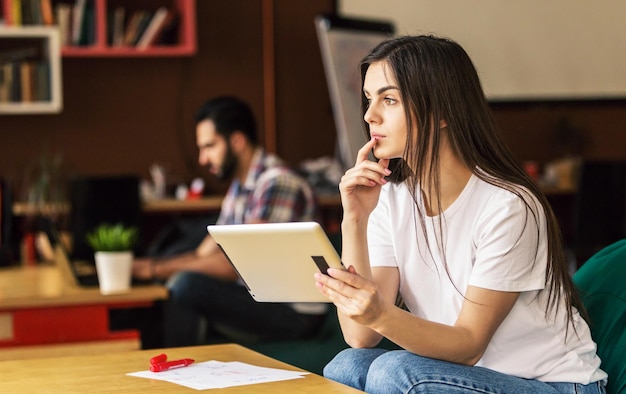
[(112, 238)]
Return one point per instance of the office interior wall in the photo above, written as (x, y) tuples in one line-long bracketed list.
[(122, 114)]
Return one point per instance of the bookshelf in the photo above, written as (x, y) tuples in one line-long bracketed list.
[(92, 34), (30, 70)]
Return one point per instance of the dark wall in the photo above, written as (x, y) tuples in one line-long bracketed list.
[(543, 131), (122, 114)]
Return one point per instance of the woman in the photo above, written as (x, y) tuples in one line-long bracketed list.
[(447, 219)]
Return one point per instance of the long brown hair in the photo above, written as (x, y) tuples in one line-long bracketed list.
[(438, 81)]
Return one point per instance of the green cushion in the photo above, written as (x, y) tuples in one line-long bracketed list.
[(602, 285)]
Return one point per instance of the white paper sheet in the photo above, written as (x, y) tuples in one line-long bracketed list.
[(216, 374)]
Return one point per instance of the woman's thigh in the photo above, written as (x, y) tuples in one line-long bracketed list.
[(380, 371)]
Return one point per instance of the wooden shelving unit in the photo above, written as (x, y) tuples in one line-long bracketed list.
[(43, 36), (34, 46), (185, 11)]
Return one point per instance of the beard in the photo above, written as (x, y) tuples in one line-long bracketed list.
[(229, 165)]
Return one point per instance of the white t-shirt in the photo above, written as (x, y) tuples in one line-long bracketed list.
[(491, 240)]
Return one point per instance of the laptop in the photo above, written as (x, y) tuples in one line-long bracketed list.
[(276, 261)]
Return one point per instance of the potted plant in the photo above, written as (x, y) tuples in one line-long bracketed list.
[(113, 246)]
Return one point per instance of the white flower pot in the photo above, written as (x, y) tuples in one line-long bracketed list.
[(114, 271)]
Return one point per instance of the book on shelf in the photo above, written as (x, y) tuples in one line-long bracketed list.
[(152, 33), (12, 82), (136, 24), (117, 26), (15, 89), (6, 82), (42, 78), (47, 15), (12, 74), (83, 27), (27, 81), (63, 13), (88, 32), (16, 11), (36, 12), (27, 13), (31, 12), (78, 17), (143, 25)]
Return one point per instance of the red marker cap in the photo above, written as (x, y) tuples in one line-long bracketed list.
[(161, 358)]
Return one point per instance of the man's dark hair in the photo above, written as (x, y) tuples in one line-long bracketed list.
[(229, 114)]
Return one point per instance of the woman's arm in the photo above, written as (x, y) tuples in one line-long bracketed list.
[(360, 189), (363, 307), (464, 342), (384, 282)]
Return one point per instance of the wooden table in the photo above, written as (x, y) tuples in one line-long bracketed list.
[(107, 373), (41, 313), (168, 205)]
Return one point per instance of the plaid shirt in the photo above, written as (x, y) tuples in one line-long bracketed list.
[(271, 193)]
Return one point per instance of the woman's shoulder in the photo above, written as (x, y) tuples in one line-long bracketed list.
[(505, 192), (505, 202)]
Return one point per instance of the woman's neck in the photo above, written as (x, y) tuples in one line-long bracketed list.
[(453, 177)]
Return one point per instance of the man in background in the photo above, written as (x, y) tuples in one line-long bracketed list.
[(205, 294)]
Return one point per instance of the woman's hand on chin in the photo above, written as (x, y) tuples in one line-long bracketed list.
[(360, 185)]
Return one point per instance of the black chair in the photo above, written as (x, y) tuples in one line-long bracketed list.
[(599, 208), (101, 199)]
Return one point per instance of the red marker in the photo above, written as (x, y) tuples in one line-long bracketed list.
[(167, 365)]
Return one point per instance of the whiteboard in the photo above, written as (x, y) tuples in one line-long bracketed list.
[(344, 42), (523, 49)]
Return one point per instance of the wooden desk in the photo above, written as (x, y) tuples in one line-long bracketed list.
[(168, 205), (39, 310), (107, 373)]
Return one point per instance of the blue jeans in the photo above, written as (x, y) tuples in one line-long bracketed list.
[(199, 304), (399, 371)]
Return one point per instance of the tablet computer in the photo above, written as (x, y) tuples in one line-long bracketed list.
[(276, 261)]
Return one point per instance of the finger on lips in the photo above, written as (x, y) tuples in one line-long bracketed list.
[(365, 150)]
